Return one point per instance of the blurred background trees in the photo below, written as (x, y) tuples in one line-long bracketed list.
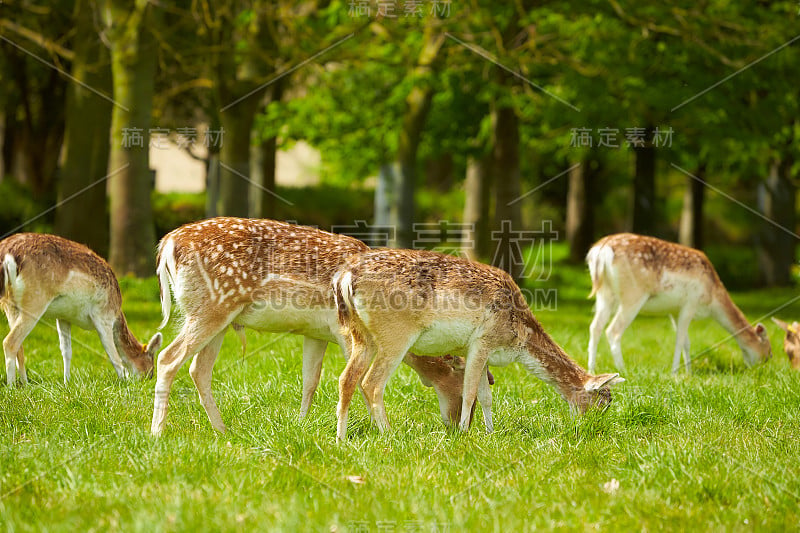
[(677, 119)]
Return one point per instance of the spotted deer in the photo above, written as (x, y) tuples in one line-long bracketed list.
[(45, 277), (391, 302), (264, 275), (634, 273), (791, 343)]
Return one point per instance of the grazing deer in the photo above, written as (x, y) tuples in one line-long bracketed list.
[(49, 277), (791, 343), (391, 302), (264, 275), (632, 273)]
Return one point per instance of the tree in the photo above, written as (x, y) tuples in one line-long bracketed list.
[(645, 203), (133, 68), (417, 106), (33, 93), (477, 205), (776, 237), (690, 232), (82, 187), (237, 86), (581, 197), (264, 152)]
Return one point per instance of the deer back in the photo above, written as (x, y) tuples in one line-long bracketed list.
[(229, 262), (44, 263)]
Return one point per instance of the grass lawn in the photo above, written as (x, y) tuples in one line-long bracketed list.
[(715, 450)]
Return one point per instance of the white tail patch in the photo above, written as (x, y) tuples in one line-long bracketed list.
[(343, 287), (599, 259), (166, 271), (10, 271)]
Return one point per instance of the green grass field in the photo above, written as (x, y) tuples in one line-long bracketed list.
[(719, 449)]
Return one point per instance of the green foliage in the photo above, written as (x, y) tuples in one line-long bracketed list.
[(171, 210), (713, 450), (737, 266), (18, 208), (323, 206)]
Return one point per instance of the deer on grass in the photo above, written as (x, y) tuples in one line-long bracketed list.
[(632, 273), (391, 302), (791, 343), (268, 276), (48, 277)]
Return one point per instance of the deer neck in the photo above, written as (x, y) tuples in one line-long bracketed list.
[(124, 340), (544, 358), (730, 317)]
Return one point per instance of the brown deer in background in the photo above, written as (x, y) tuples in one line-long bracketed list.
[(632, 273), (49, 277)]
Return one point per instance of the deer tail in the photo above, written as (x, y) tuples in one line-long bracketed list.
[(166, 270), (599, 260)]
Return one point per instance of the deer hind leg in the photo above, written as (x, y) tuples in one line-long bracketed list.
[(604, 306), (313, 354), (22, 322), (173, 357), (361, 352), (65, 343), (474, 373), (23, 374), (200, 370), (626, 312), (485, 399), (682, 340), (387, 359)]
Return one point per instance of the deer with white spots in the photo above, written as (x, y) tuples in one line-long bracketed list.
[(394, 301), (48, 277), (635, 273), (268, 276)]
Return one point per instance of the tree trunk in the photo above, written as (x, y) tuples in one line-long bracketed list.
[(212, 175), (263, 158), (2, 144), (439, 172), (36, 128), (776, 242), (386, 205), (691, 227), (240, 93), (645, 215), (477, 206), (508, 207), (580, 207), (418, 103), (133, 67), (262, 163), (82, 188), (234, 176)]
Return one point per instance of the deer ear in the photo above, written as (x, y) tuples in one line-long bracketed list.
[(761, 331), (600, 381), (781, 324), (155, 344)]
